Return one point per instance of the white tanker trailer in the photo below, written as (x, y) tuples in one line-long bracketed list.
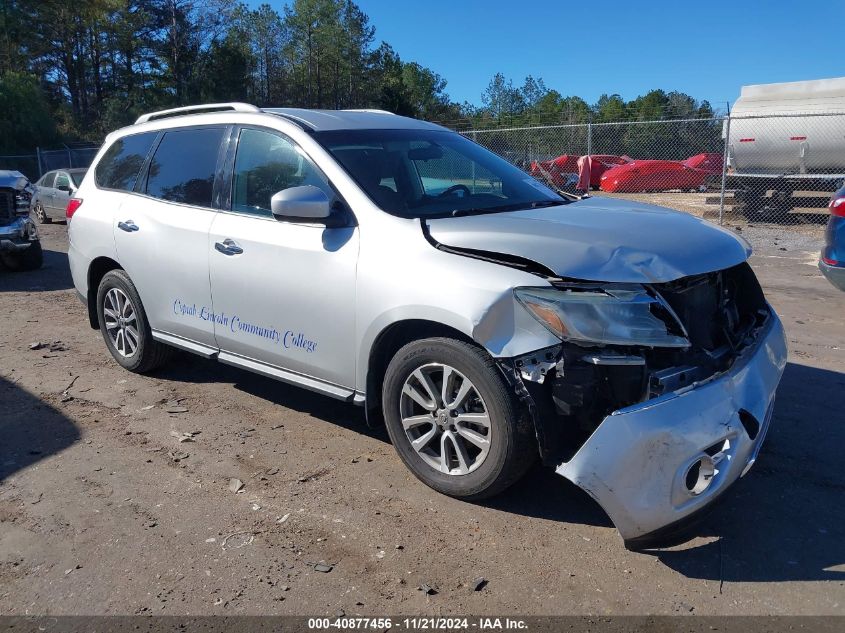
[(784, 138)]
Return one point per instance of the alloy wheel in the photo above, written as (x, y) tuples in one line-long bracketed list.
[(121, 322), (445, 419)]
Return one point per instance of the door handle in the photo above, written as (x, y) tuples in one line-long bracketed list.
[(228, 247), (129, 226)]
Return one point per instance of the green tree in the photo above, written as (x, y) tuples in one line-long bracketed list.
[(27, 119)]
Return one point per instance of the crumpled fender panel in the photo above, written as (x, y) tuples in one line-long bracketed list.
[(634, 464), (599, 239)]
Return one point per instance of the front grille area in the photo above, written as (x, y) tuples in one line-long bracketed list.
[(7, 206), (719, 310), (722, 313)]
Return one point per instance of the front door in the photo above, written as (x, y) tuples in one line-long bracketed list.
[(161, 233), (284, 292)]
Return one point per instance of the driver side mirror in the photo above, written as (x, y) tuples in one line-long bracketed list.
[(305, 202)]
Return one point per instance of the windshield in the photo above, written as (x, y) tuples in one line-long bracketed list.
[(433, 173)]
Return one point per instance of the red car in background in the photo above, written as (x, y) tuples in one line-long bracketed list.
[(709, 162), (662, 175), (597, 165), (559, 171)]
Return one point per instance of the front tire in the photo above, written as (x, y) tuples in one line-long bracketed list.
[(453, 420), (31, 258), (124, 325)]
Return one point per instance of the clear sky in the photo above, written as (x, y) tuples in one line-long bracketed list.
[(706, 49)]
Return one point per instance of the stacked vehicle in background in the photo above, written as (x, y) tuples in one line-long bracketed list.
[(623, 174)]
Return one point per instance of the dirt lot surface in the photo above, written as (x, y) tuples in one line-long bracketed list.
[(104, 510)]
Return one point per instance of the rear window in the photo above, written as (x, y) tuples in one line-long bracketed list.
[(119, 166), (183, 166)]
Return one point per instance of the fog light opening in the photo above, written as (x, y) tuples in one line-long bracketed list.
[(699, 476), (749, 423)]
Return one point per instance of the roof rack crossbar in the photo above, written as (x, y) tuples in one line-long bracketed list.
[(197, 109)]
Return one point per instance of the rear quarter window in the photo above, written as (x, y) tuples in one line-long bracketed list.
[(119, 166)]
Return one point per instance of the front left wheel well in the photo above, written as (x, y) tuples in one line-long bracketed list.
[(389, 341), (96, 271)]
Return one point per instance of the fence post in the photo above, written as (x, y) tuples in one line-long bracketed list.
[(69, 158), (38, 160), (589, 151), (475, 140), (727, 124)]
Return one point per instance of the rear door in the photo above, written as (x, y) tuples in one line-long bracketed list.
[(61, 192), (45, 192), (284, 291), (161, 233)]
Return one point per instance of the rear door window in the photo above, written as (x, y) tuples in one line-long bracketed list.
[(62, 180), (119, 166), (183, 166)]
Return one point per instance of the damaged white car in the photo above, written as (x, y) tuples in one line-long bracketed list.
[(485, 319)]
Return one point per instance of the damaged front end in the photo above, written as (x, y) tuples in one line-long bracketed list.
[(17, 230), (658, 396)]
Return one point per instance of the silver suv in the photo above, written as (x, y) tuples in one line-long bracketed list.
[(485, 319)]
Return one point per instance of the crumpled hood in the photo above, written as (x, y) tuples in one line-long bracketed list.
[(12, 179), (600, 239)]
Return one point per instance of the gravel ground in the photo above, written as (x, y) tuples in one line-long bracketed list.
[(103, 510)]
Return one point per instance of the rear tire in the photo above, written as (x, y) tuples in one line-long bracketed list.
[(124, 325), (31, 258), (450, 431), (41, 214)]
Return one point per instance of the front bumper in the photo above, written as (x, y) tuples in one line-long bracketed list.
[(18, 235), (639, 463), (834, 274)]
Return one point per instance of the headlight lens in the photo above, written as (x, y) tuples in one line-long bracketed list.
[(612, 316)]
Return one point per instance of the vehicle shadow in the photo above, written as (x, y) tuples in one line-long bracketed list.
[(191, 368), (541, 493), (53, 275), (31, 429), (786, 519), (544, 494)]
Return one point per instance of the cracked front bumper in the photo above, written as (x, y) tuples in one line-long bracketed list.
[(18, 235), (637, 464)]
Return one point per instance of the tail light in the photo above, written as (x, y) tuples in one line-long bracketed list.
[(72, 205), (837, 206)]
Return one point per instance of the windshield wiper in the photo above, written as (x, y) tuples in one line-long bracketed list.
[(537, 204)]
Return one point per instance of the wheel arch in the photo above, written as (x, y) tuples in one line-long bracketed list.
[(385, 345), (96, 271)]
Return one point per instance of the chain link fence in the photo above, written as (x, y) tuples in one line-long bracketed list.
[(33, 166), (778, 170), (773, 169)]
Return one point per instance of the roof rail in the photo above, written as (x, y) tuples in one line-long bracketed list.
[(370, 110), (197, 109)]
